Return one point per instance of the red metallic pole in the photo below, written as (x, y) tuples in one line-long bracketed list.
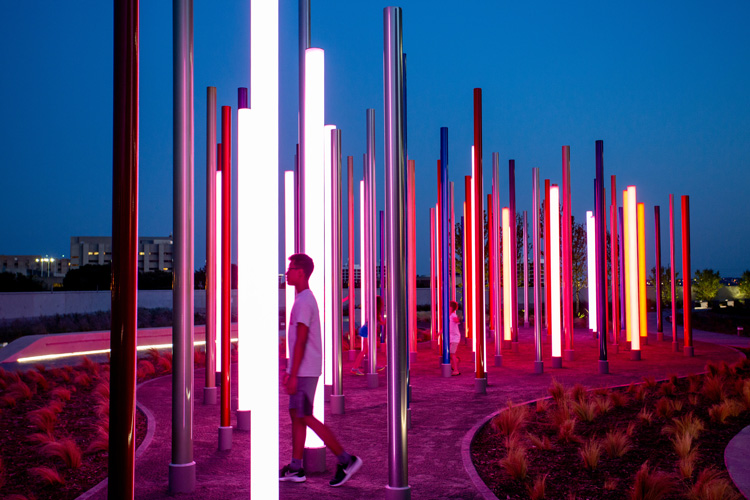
[(469, 309), (672, 271), (687, 299), (481, 375), (491, 244), (567, 256), (123, 338), (657, 274), (226, 264), (615, 274), (547, 275), (433, 281)]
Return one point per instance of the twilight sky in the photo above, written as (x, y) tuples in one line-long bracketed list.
[(664, 84)]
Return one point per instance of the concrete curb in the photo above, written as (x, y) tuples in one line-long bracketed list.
[(735, 459)]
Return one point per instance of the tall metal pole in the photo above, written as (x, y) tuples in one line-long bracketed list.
[(350, 234), (209, 391), (412, 240), (444, 223), (497, 223), (370, 252), (687, 298), (657, 274), (567, 256), (304, 44), (225, 427), (124, 291), (614, 251), (453, 245), (672, 273), (513, 254), (623, 309), (381, 236), (439, 277), (601, 259), (433, 280), (337, 395), (547, 250), (538, 363), (480, 384), (525, 270), (395, 199), (468, 267)]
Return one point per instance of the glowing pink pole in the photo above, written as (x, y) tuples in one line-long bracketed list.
[(433, 269), (554, 266), (225, 429), (209, 391), (687, 299), (567, 257), (350, 234), (615, 271), (672, 271), (480, 383), (657, 274), (453, 246), (412, 264)]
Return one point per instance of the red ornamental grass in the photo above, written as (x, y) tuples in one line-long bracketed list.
[(20, 391), (147, 367), (49, 475), (40, 438), (82, 379), (44, 419), (65, 449), (39, 379), (650, 485), (102, 391), (164, 363), (90, 366), (8, 401), (712, 484), (60, 393)]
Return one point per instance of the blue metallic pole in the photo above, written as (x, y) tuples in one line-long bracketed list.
[(601, 259), (445, 210)]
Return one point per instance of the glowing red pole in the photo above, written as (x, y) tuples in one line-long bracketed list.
[(439, 252), (123, 339), (615, 273), (433, 281), (657, 274), (225, 428), (547, 272), (567, 256), (672, 271), (480, 384), (469, 308), (687, 298)]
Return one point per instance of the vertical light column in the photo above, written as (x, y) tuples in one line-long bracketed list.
[(225, 427), (507, 276), (124, 302), (657, 274), (412, 264), (433, 281), (633, 288), (642, 304), (626, 267), (350, 251), (209, 390), (601, 258), (614, 258), (590, 267), (538, 363), (554, 268), (480, 383), (513, 254), (687, 282), (337, 396), (444, 235), (314, 229), (182, 465), (525, 270), (247, 158), (468, 268), (219, 254), (362, 277), (672, 273), (497, 224), (547, 246), (621, 231), (567, 256), (289, 246), (303, 44), (473, 258), (370, 251), (438, 277), (453, 244), (328, 284), (491, 269)]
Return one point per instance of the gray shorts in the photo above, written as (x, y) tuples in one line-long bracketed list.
[(302, 400), (454, 347)]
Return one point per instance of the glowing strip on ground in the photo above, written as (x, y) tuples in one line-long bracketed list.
[(327, 316), (554, 193), (314, 199), (506, 274), (634, 313), (591, 248), (642, 305), (217, 282), (288, 242)]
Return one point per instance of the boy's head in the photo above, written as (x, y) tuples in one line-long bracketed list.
[(302, 262), (454, 306)]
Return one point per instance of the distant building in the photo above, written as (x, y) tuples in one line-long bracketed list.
[(154, 253), (34, 265)]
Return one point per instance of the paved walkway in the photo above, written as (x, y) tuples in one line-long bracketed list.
[(443, 412)]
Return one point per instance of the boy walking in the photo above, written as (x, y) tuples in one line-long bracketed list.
[(302, 374)]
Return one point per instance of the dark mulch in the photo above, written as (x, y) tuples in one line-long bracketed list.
[(613, 478)]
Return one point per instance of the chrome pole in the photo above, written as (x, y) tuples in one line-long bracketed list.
[(370, 252), (495, 234), (337, 396), (350, 235), (209, 391), (182, 466), (538, 363), (525, 271), (304, 44), (395, 203)]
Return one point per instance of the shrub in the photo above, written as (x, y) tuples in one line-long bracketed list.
[(616, 443), (639, 393), (82, 379), (585, 410), (7, 401), (147, 367), (693, 399), (650, 485), (590, 453), (664, 408), (603, 404), (65, 449), (677, 405), (618, 399), (645, 416), (649, 382), (683, 445), (667, 389), (686, 464), (712, 484), (686, 424), (101, 391), (537, 490), (47, 474), (694, 382), (39, 379), (746, 393), (510, 420), (99, 443), (60, 393), (727, 408), (515, 463), (557, 391), (40, 438), (90, 366), (713, 389), (543, 404), (44, 419), (19, 391), (566, 431), (542, 443), (164, 364), (578, 393)]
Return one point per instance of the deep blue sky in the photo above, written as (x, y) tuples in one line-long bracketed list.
[(664, 84)]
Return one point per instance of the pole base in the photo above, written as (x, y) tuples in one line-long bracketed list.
[(644, 339), (327, 391), (569, 355), (660, 336), (372, 380), (217, 380), (635, 355), (283, 363), (210, 395), (614, 348), (314, 459), (337, 404), (538, 366), (556, 361), (395, 493), (480, 385), (594, 335), (225, 438), (408, 419), (446, 370), (507, 345), (243, 420), (514, 346), (352, 354), (412, 357), (182, 478), (675, 347), (498, 360), (603, 367), (689, 351)]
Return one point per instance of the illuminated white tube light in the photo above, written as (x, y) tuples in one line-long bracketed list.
[(632, 229), (314, 194), (289, 211), (217, 281), (591, 258), (247, 204), (554, 195), (327, 303), (260, 261), (506, 275)]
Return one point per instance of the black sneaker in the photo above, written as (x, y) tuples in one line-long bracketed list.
[(345, 472), (296, 476)]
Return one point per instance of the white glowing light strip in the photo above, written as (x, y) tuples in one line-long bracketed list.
[(506, 274), (288, 243), (362, 308), (314, 189), (327, 319), (554, 195), (217, 291), (247, 206), (591, 247), (261, 259), (633, 270), (46, 357)]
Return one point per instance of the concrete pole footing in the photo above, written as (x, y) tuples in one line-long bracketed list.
[(243, 420), (394, 493), (569, 354), (557, 362), (538, 366), (182, 478), (337, 404), (372, 380), (314, 459), (603, 367), (689, 351), (635, 355), (225, 438), (498, 360), (446, 370), (480, 385), (209, 395)]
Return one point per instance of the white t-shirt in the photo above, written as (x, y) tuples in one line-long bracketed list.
[(455, 332), (305, 311)]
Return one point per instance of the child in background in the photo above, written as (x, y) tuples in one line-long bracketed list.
[(455, 338), (364, 334)]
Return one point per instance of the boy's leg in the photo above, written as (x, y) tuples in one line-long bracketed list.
[(324, 433), (299, 428)]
